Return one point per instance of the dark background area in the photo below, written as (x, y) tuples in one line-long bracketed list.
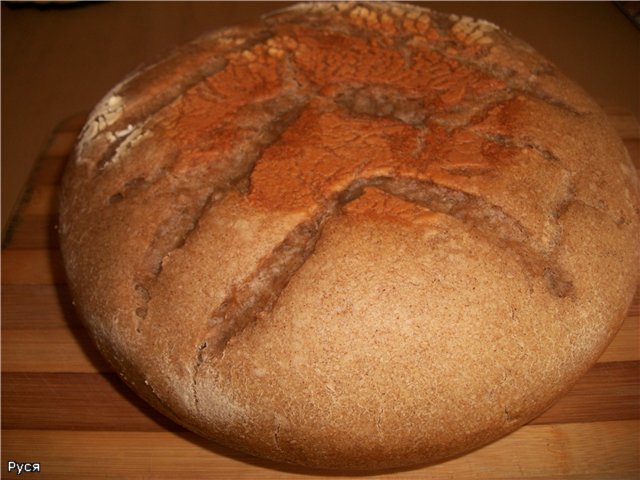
[(59, 60)]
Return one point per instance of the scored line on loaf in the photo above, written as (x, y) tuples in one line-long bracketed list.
[(233, 172), (259, 293)]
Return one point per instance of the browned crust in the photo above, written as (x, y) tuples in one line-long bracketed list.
[(352, 235)]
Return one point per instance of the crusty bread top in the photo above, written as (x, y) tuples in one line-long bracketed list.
[(351, 235)]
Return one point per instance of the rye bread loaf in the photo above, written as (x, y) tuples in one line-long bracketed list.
[(351, 235)]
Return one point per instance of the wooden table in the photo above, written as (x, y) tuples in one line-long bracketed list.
[(63, 407)]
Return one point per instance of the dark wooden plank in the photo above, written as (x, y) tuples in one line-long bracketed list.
[(49, 170), (50, 350), (61, 143), (623, 121), (32, 267), (101, 401), (41, 200), (634, 308), (76, 401), (34, 232), (74, 123), (37, 307), (609, 391), (633, 147), (625, 345)]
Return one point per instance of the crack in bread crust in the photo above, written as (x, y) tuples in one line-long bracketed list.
[(422, 20), (233, 168), (515, 85), (510, 141), (233, 173), (383, 101), (258, 294), (145, 107)]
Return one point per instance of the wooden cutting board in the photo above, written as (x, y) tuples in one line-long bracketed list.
[(65, 409)]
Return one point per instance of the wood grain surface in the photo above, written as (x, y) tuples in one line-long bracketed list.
[(65, 408)]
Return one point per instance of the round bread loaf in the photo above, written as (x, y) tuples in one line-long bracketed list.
[(353, 236)]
